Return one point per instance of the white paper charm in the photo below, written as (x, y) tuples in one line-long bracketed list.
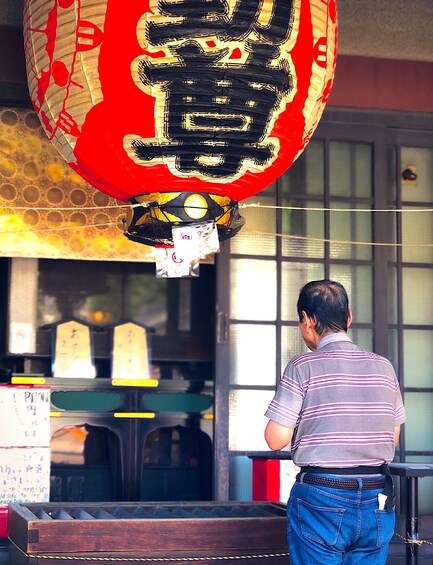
[(170, 265)]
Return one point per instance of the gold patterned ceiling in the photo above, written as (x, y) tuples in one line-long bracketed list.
[(46, 209)]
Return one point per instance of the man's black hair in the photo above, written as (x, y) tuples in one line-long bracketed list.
[(326, 302)]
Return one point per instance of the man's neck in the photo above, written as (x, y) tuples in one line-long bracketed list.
[(332, 337)]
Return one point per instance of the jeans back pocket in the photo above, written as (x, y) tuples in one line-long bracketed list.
[(320, 523)]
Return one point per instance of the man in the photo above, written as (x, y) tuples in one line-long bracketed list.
[(341, 409)]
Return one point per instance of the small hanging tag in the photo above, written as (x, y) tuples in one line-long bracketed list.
[(209, 239), (169, 264), (186, 241), (196, 241)]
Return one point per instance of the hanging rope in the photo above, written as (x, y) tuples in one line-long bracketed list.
[(240, 205), (181, 559), (60, 228), (321, 209), (245, 232), (339, 241), (148, 559)]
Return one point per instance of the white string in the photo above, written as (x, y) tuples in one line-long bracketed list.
[(64, 208), (312, 209), (246, 232), (63, 228), (340, 241), (240, 205)]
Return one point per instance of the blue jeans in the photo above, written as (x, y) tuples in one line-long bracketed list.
[(328, 526)]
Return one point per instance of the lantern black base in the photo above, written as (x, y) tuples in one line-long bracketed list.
[(159, 233), (150, 221)]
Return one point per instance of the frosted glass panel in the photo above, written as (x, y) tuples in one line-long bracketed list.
[(391, 231), (363, 338), (291, 344), (294, 276), (350, 226), (247, 421), (306, 175), (253, 357), (419, 424), (417, 230), (417, 296), (315, 168), (305, 223), (240, 478), (393, 349), (392, 295), (253, 294), (420, 160), (257, 237), (350, 169), (418, 358), (358, 283)]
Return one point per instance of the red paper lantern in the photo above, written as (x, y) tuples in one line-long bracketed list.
[(184, 107)]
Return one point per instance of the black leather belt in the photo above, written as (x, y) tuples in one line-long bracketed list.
[(345, 484), (354, 471)]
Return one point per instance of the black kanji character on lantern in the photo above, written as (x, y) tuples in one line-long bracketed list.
[(216, 115), (196, 18)]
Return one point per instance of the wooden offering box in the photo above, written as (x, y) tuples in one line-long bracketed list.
[(175, 533)]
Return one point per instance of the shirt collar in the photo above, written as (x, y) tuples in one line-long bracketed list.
[(333, 338)]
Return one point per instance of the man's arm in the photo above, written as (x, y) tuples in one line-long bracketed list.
[(277, 436), (396, 435)]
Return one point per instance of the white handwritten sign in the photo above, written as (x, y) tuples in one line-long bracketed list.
[(130, 356), (73, 353), (24, 474), (24, 417)]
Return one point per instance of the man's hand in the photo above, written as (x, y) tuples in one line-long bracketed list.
[(277, 436)]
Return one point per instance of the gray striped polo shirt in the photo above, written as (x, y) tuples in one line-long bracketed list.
[(343, 402)]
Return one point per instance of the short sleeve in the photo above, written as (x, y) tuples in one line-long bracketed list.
[(287, 402), (400, 412)]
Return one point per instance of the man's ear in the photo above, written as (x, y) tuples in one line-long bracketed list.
[(349, 318), (310, 323)]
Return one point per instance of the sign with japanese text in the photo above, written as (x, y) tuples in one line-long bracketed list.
[(130, 359), (24, 444), (24, 474), (179, 96), (73, 352), (24, 416)]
